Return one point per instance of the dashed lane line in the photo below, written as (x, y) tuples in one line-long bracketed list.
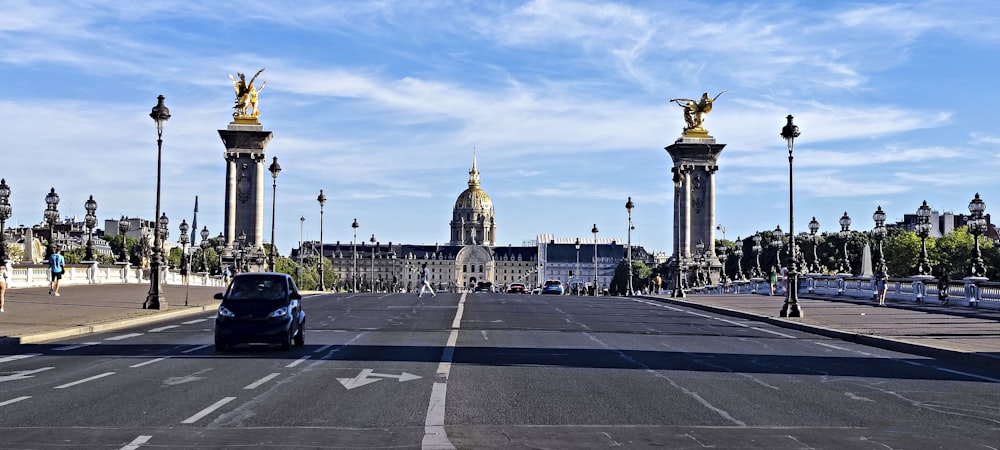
[(148, 362), (123, 336), (95, 377), (14, 400), (260, 382), (208, 410), (75, 346), (137, 442)]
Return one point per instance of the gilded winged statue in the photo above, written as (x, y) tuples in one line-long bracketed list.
[(246, 95), (695, 112)]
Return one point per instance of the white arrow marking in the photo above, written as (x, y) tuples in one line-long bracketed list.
[(363, 378), (23, 374)]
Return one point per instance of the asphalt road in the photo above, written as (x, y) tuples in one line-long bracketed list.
[(490, 371)]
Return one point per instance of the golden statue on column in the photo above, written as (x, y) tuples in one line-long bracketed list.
[(246, 109), (694, 114)]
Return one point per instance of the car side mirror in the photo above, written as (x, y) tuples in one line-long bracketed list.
[(217, 296)]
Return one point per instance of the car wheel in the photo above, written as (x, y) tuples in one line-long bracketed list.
[(300, 337), (220, 346)]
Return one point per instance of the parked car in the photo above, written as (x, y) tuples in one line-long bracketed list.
[(553, 287), (484, 286), (260, 307), (515, 288)]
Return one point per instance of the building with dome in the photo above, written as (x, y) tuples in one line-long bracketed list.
[(471, 255)]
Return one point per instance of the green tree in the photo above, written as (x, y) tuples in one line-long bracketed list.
[(901, 250), (640, 277)]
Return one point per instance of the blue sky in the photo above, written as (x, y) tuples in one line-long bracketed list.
[(381, 105)]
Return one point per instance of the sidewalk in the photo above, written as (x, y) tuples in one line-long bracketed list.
[(32, 315), (967, 334)]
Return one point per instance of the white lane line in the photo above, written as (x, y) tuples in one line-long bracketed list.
[(323, 348), (732, 322), (192, 350), (14, 400), (775, 332), (17, 357), (148, 362), (435, 436), (95, 377), (208, 410), (967, 374), (698, 314), (75, 346), (258, 383), (122, 336), (297, 362), (137, 442), (157, 330), (192, 322)]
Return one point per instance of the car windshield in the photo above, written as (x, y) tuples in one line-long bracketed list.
[(553, 283), (267, 288)]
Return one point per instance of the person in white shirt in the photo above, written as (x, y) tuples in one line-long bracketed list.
[(425, 282)]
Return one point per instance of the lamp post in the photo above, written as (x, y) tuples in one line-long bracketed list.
[(757, 248), (878, 234), (923, 230), (274, 168), (51, 216), (322, 201), (738, 253), (628, 207), (371, 275), (123, 228), (354, 255), (594, 230), (977, 226), (302, 226), (155, 298), (777, 243), (577, 245), (722, 251), (89, 221), (204, 247), (791, 307), (813, 229), (699, 259), (5, 212), (242, 252), (185, 265), (219, 248), (845, 234)]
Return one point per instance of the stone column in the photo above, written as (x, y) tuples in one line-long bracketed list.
[(695, 163), (245, 140)]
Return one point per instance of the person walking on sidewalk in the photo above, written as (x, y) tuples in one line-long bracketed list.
[(772, 280), (3, 284), (880, 286), (425, 281), (56, 263)]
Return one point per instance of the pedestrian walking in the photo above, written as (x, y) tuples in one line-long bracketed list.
[(943, 282), (56, 265), (772, 280), (659, 284), (880, 285), (3, 284), (425, 281)]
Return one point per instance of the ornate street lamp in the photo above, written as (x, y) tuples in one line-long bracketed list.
[(51, 216), (596, 290), (722, 251), (628, 207), (302, 227), (123, 228), (738, 253), (90, 221), (577, 245), (5, 212), (699, 259), (204, 247), (185, 264), (757, 249), (923, 229), (354, 254), (163, 222), (274, 168), (777, 243), (878, 234), (322, 201), (977, 226), (813, 229), (372, 274), (155, 298), (242, 252), (791, 307), (845, 234), (221, 240)]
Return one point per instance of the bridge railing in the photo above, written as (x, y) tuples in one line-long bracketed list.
[(76, 274), (971, 292)]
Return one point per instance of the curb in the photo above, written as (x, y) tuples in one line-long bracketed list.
[(106, 326), (864, 339)]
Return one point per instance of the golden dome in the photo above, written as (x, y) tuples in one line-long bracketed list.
[(475, 199)]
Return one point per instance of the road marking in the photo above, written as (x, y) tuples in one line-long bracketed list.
[(157, 330), (95, 377), (972, 375), (20, 375), (435, 436), (208, 410), (732, 322), (698, 314), (123, 336), (75, 346), (363, 378), (775, 332), (323, 348), (14, 400), (192, 322), (192, 350), (17, 357), (148, 362), (483, 332), (137, 442), (297, 362), (258, 383)]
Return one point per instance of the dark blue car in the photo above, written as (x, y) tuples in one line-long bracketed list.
[(260, 308), (553, 287)]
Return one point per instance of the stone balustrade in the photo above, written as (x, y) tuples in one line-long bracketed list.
[(76, 274)]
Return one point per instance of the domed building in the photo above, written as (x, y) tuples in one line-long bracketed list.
[(472, 220)]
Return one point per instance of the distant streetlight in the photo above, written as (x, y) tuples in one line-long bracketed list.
[(89, 221), (596, 290), (577, 245), (757, 249), (123, 228), (977, 226), (372, 274), (185, 265), (791, 307), (354, 254), (777, 243), (878, 234), (155, 298), (738, 253), (845, 234), (5, 212), (52, 216), (813, 229), (322, 201), (628, 207), (204, 247), (274, 168)]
